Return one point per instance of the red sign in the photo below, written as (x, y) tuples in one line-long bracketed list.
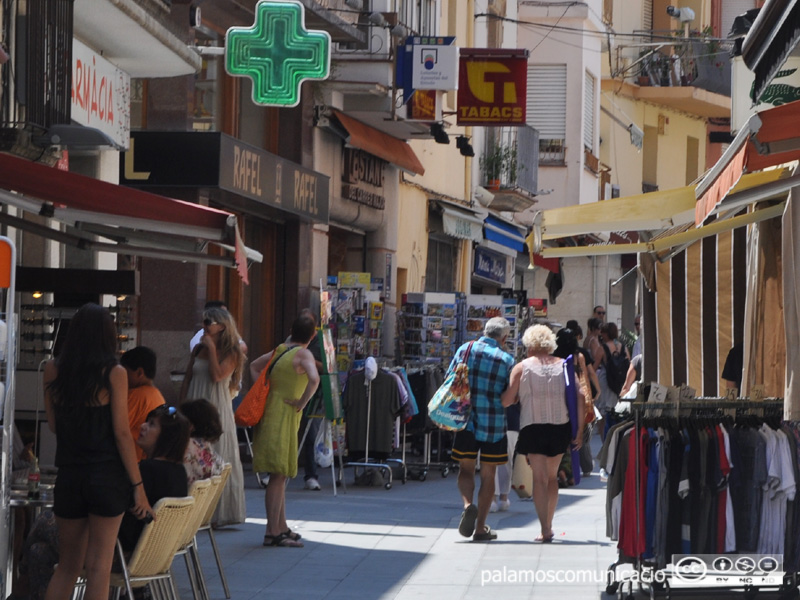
[(422, 106), (492, 87)]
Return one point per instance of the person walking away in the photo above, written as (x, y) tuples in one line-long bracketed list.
[(485, 434), (214, 372), (293, 381), (143, 396), (86, 401), (539, 385)]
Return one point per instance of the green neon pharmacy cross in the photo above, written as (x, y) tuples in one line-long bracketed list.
[(278, 53)]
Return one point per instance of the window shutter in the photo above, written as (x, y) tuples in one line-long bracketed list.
[(647, 15), (588, 112), (730, 10), (547, 100)]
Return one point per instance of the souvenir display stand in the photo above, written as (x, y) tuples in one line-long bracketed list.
[(669, 580), (427, 328), (8, 261), (481, 308)]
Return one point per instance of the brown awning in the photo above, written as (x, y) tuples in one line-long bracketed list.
[(140, 223), (769, 138), (380, 144)]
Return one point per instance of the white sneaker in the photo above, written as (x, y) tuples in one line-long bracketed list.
[(493, 507), (312, 484), (503, 505)]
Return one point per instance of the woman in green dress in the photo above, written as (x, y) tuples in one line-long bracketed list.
[(293, 380)]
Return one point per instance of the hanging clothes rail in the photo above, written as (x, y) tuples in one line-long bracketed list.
[(672, 512)]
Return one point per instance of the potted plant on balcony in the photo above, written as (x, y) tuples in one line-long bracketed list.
[(499, 163)]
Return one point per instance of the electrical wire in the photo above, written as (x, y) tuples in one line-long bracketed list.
[(546, 35)]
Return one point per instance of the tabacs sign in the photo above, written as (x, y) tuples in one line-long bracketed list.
[(493, 85)]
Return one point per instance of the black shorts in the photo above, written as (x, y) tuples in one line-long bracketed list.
[(101, 489), (547, 439), (466, 447)]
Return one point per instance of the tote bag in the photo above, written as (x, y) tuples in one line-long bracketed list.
[(250, 411), (451, 406), (522, 477)]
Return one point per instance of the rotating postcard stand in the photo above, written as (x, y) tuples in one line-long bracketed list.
[(8, 261)]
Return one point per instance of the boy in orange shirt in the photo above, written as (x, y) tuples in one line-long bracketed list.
[(143, 396)]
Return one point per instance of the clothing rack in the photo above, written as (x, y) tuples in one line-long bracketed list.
[(419, 470), (386, 465), (767, 408)]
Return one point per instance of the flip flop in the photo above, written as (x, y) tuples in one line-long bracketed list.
[(282, 541), (486, 536), (466, 526), (544, 540)]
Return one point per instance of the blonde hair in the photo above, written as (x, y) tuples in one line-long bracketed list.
[(229, 343), (538, 338)]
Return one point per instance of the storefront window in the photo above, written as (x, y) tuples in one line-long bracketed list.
[(439, 275), (205, 103)]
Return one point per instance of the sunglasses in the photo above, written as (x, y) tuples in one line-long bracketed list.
[(601, 312), (209, 322), (171, 411)]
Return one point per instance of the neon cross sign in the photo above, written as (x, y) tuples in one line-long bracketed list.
[(278, 53)]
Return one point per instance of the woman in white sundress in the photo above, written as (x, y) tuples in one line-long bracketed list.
[(214, 372)]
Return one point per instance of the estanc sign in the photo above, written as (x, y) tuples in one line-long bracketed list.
[(101, 94)]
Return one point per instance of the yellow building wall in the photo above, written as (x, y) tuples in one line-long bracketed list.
[(447, 175), (674, 128)]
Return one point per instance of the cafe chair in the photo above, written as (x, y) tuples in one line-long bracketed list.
[(206, 525), (203, 492), (152, 557)]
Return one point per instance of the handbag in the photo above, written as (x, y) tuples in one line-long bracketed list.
[(451, 406), (250, 411), (522, 477)]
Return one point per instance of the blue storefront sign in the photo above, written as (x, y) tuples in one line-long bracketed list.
[(490, 266)]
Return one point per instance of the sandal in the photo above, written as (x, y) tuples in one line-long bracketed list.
[(282, 540), (544, 540), (292, 535), (487, 536)]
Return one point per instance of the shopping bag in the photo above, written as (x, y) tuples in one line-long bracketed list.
[(522, 477), (451, 405), (250, 411), (323, 446)]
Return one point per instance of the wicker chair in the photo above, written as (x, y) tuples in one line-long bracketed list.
[(206, 525), (152, 557), (203, 492)]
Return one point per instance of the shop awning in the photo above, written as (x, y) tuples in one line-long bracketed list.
[(137, 222), (769, 138), (774, 35), (461, 224), (504, 233), (380, 144), (666, 215)]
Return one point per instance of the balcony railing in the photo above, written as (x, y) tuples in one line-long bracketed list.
[(701, 62), (36, 92)]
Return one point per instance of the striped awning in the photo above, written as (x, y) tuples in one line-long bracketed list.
[(504, 233)]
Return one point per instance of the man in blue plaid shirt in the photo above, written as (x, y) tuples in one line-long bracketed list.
[(489, 372)]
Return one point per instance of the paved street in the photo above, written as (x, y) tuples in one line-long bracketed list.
[(403, 543)]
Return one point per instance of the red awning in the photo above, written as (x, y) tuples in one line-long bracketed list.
[(380, 144), (769, 138), (139, 222)]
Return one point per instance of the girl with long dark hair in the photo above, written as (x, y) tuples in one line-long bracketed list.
[(86, 400)]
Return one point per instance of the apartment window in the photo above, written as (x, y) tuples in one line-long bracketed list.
[(588, 112), (421, 16), (547, 110), (439, 273)]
